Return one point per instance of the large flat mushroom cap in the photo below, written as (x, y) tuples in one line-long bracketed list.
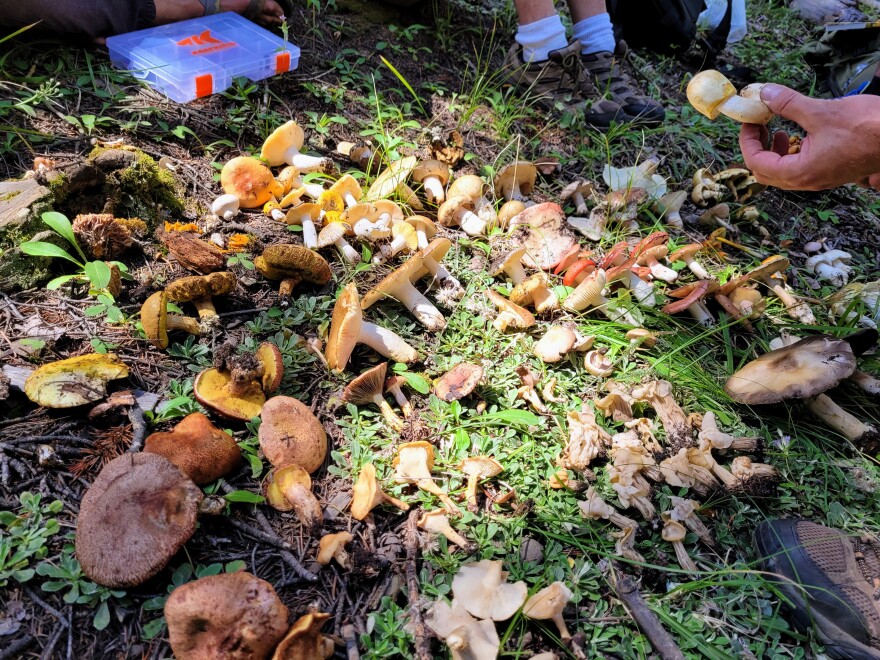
[(133, 519), (345, 327), (290, 433), (74, 381), (249, 180), (233, 616), (288, 135), (545, 234), (798, 371), (410, 270), (199, 286), (458, 382)]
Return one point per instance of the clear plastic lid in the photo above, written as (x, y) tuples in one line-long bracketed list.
[(201, 56)]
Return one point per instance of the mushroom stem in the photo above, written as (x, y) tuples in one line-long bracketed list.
[(697, 269), (867, 382), (438, 272), (471, 491), (528, 393), (797, 309), (310, 233), (749, 251), (684, 559), (351, 255), (185, 323), (837, 418), (388, 413), (305, 163), (386, 343), (580, 204), (433, 189), (661, 272), (428, 315), (349, 199), (429, 486), (701, 314), (288, 284), (642, 290), (306, 507), (313, 190), (515, 272), (470, 223), (402, 401)]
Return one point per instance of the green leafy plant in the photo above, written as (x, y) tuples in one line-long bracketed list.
[(25, 536)]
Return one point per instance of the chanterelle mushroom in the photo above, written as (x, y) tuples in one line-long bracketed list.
[(467, 638), (413, 464), (332, 547), (711, 94), (674, 532), (200, 449), (235, 616), (482, 590), (510, 315), (477, 468), (289, 488), (304, 640), (134, 518), (368, 494), (586, 440), (437, 522), (594, 508), (685, 511), (156, 320), (548, 604), (369, 387), (290, 433), (74, 381)]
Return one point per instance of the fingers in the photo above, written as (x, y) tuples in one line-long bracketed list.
[(789, 104), (874, 181)]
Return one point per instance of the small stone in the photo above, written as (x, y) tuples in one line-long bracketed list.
[(531, 550)]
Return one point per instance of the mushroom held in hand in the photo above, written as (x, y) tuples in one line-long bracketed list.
[(398, 285), (200, 449), (290, 433), (74, 381), (292, 264), (413, 464), (156, 320), (133, 519), (289, 488), (548, 604), (347, 329), (369, 387), (283, 146), (482, 589), (368, 494), (235, 616), (711, 94)]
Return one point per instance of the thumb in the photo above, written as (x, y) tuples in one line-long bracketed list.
[(787, 103)]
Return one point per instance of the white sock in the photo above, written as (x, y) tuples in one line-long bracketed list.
[(595, 34), (539, 38)]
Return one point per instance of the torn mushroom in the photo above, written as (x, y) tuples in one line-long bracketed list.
[(332, 548), (304, 640), (250, 181), (711, 94), (586, 440), (510, 315)]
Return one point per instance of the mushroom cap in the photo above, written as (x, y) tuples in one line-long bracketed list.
[(651, 241), (508, 211), (707, 90), (746, 296), (211, 389), (154, 319), (586, 291), (482, 590), (548, 602), (431, 167), (345, 327), (304, 641), (201, 286), (133, 519), (556, 342), (468, 185), (446, 214), (279, 480), (427, 225), (407, 232), (269, 355), (329, 544), (347, 184), (387, 206), (310, 210), (483, 467), (581, 186), (467, 637), (506, 260), (797, 371), (520, 172), (367, 386), (288, 135), (522, 318), (284, 260), (290, 433), (410, 270), (196, 446), (542, 229), (689, 295), (249, 180), (331, 232), (235, 616), (672, 529), (74, 381), (524, 292), (364, 492), (435, 250), (645, 337), (412, 458), (458, 382), (391, 178), (685, 252), (672, 202)]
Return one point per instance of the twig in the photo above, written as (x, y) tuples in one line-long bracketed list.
[(138, 427), (51, 610), (351, 648), (13, 650), (627, 592), (255, 533), (423, 650)]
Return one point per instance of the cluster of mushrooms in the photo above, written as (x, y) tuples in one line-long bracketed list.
[(144, 505)]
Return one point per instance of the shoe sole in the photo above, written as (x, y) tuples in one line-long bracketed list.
[(838, 644)]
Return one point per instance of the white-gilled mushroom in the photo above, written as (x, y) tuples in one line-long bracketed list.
[(510, 315), (477, 468), (459, 212), (403, 238), (363, 218), (558, 341), (305, 216), (349, 189), (669, 206), (709, 432), (510, 263), (225, 207), (333, 233), (482, 589), (515, 180), (450, 289), (711, 94), (283, 146), (831, 265), (686, 253), (433, 175), (575, 192), (467, 638), (393, 386), (588, 296), (535, 290), (398, 285)]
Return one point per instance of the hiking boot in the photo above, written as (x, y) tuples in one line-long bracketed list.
[(832, 581), (560, 80), (604, 75)]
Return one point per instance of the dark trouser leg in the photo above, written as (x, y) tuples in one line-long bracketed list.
[(82, 18)]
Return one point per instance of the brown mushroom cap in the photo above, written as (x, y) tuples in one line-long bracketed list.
[(797, 371), (689, 295), (367, 386), (201, 286), (234, 616), (290, 433), (431, 167), (458, 382), (542, 229), (133, 519), (521, 173), (74, 381), (685, 252), (305, 641), (200, 449), (290, 261), (249, 180)]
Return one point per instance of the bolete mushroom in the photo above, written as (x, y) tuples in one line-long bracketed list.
[(368, 494), (283, 146), (347, 329), (133, 519), (289, 488), (433, 175), (304, 640), (199, 290), (196, 446), (711, 94), (235, 616), (549, 603), (368, 387), (290, 433), (477, 468), (250, 181), (482, 589), (156, 321), (237, 389), (398, 285), (413, 464), (292, 264), (74, 381)]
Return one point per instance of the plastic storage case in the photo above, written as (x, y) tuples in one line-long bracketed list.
[(201, 56)]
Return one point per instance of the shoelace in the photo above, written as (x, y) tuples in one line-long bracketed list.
[(573, 67)]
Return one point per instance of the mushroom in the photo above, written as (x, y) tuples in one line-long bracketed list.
[(686, 253), (617, 404), (199, 289), (625, 545), (636, 279), (305, 216), (630, 460), (575, 192), (304, 640), (748, 301), (133, 519), (577, 271), (515, 180), (363, 219), (831, 266), (641, 176), (292, 264), (432, 255), (347, 329), (510, 263), (393, 385), (549, 603), (543, 231), (225, 207), (658, 395), (803, 370), (228, 615), (333, 233), (393, 180), (507, 212), (705, 189), (527, 391), (586, 440), (535, 290), (594, 508), (413, 464), (289, 488), (685, 511), (332, 547), (238, 388), (678, 471), (437, 522), (555, 344), (711, 434), (369, 388), (459, 212), (701, 456), (433, 175), (74, 381), (202, 451), (290, 433), (717, 216), (711, 94), (482, 590), (283, 146), (477, 468), (754, 478), (674, 532), (669, 206), (509, 314), (398, 285), (404, 237), (156, 321), (250, 181), (650, 257), (458, 382), (588, 294), (640, 337), (348, 189), (597, 363), (425, 229), (367, 494), (467, 638), (691, 299)]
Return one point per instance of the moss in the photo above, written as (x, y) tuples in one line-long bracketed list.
[(58, 185), (9, 196)]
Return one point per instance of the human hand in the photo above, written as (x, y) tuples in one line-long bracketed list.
[(842, 143)]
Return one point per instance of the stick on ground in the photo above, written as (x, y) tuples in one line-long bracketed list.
[(628, 593)]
